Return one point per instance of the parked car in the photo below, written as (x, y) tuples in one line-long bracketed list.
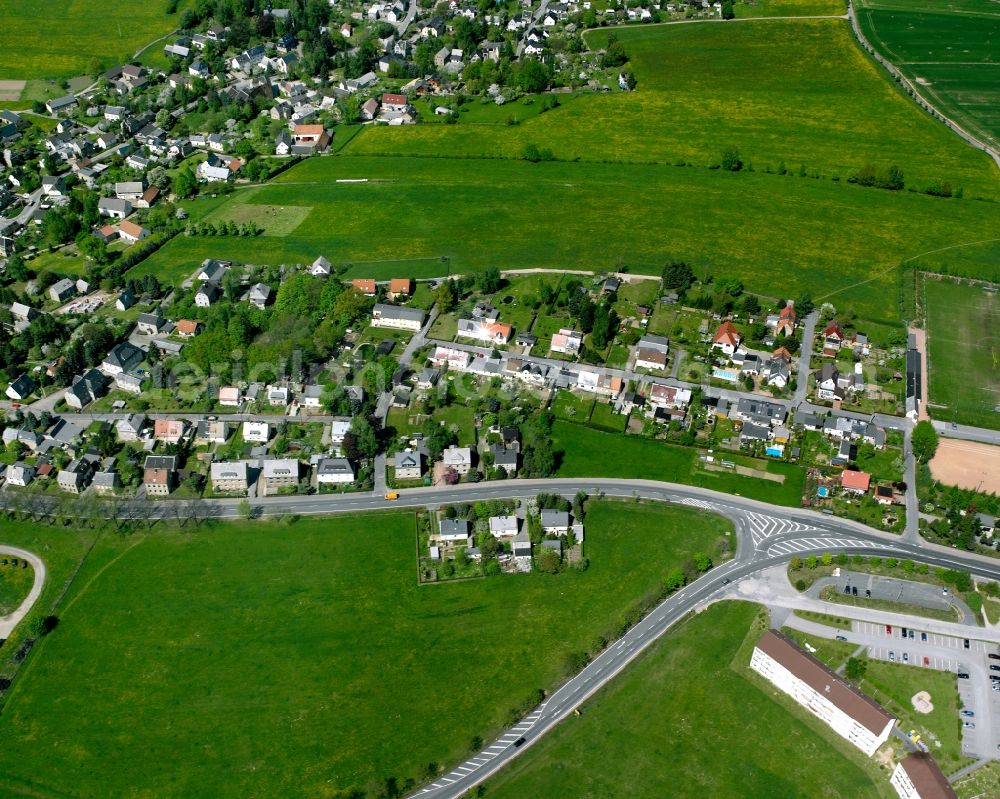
[(927, 660), (923, 636), (911, 634), (966, 644), (993, 656), (968, 713), (968, 725), (902, 632), (906, 657), (888, 629), (892, 657), (841, 637)]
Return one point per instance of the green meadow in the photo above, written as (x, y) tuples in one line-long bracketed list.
[(779, 234), (704, 87), (689, 720), (62, 38), (950, 48), (301, 659), (963, 340)]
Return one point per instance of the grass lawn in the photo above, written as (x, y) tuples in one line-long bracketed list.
[(842, 243), (963, 343), (573, 407), (949, 50), (679, 722), (983, 782), (787, 8), (832, 652), (824, 618), (60, 38), (276, 220), (593, 453), (15, 582), (892, 685), (294, 660), (603, 416), (725, 85)]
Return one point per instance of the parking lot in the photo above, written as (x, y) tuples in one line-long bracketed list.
[(946, 653)]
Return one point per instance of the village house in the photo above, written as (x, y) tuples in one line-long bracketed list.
[(408, 465), (130, 428), (169, 431), (320, 267), (230, 396), (208, 432), (260, 295), (131, 232), (107, 480), (567, 342), (833, 337), (229, 477), (62, 290), (159, 474), (20, 388), (277, 395), (555, 522), (783, 323), (365, 285), (457, 458), (399, 287), (187, 328), (76, 477), (651, 353), (256, 432), (279, 474), (918, 776), (451, 357), (20, 474), (114, 208), (727, 338), (854, 482), (504, 526), (86, 388), (207, 294), (149, 324), (487, 331), (334, 471), (397, 317), (123, 357), (453, 531)]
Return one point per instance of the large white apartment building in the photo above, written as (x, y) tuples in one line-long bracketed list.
[(850, 713), (918, 777)]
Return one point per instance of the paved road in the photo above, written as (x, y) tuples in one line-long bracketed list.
[(9, 622), (891, 589), (805, 355), (404, 23), (967, 432)]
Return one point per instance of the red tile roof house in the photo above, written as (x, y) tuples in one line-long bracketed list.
[(365, 285), (395, 102), (786, 321), (727, 338), (311, 134), (400, 287), (833, 338), (131, 232), (855, 482)]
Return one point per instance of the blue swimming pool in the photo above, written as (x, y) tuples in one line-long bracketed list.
[(775, 452), (726, 374), (823, 491)]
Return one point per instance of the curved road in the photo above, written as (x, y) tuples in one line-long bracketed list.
[(766, 535), (8, 623)]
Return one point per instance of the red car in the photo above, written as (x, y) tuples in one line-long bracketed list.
[(888, 629)]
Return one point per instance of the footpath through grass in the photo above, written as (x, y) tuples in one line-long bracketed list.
[(592, 453), (686, 721), (295, 660), (963, 343)]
